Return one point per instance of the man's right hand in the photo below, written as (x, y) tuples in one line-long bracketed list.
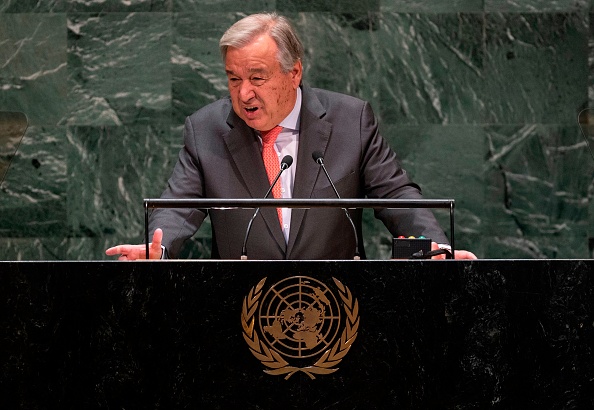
[(134, 252)]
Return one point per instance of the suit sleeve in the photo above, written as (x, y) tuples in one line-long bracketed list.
[(384, 177), (186, 181)]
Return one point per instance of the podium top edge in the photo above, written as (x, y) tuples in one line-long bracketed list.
[(228, 203)]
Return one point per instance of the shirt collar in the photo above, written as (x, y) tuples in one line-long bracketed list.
[(292, 120)]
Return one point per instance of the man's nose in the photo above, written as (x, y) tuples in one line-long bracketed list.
[(246, 91)]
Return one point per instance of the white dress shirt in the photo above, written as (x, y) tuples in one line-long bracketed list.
[(287, 143)]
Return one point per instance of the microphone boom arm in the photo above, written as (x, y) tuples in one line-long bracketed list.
[(320, 160)]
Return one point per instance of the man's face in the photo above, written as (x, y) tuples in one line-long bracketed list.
[(262, 95)]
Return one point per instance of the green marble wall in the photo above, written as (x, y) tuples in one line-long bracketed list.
[(479, 98)]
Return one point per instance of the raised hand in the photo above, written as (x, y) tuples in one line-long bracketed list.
[(134, 252)]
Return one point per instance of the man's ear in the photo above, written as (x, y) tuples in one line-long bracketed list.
[(297, 74)]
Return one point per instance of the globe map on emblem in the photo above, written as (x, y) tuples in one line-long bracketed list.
[(299, 317)]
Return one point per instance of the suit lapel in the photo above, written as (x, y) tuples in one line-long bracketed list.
[(244, 148), (314, 134)]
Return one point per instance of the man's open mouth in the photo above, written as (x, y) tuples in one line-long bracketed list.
[(251, 109)]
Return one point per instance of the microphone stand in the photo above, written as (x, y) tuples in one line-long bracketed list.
[(317, 156), (285, 164)]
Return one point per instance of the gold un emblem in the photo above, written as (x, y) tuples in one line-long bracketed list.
[(298, 325)]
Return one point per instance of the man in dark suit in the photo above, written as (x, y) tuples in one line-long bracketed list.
[(222, 158)]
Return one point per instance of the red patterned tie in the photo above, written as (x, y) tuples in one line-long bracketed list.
[(271, 163)]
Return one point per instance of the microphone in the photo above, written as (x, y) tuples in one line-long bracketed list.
[(318, 157), (286, 162)]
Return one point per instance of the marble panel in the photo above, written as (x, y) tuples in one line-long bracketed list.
[(432, 68), (207, 6), (33, 6), (539, 184), (536, 68), (333, 6), (197, 70), (432, 6), (104, 6), (111, 170), (33, 66), (57, 6), (33, 194), (36, 249), (119, 68), (591, 61), (448, 163), (535, 5), (587, 134), (339, 52)]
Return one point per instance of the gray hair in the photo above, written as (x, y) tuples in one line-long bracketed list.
[(240, 34)]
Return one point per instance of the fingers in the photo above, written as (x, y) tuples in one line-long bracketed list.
[(119, 250), (155, 248), (127, 252), (434, 247), (134, 252), (465, 255), (114, 250), (461, 254)]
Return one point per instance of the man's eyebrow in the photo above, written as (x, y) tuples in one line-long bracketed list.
[(257, 70), (251, 70)]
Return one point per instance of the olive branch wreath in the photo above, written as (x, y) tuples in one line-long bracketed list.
[(275, 362)]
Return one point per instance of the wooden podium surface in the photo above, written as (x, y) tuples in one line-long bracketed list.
[(400, 334)]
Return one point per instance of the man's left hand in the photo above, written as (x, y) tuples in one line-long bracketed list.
[(458, 254)]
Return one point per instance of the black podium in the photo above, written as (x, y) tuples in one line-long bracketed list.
[(297, 334)]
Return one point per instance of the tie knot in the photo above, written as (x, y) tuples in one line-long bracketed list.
[(268, 137)]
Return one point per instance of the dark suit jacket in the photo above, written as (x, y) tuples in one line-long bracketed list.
[(221, 158)]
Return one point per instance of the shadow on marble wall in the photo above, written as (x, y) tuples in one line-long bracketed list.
[(478, 98)]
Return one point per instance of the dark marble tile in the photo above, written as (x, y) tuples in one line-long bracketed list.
[(111, 170), (33, 195), (339, 52), (591, 61), (448, 163), (33, 6), (333, 6), (539, 183), (35, 249), (438, 158), (61, 6), (104, 6), (432, 6), (197, 69), (209, 6), (431, 68), (587, 134), (119, 68), (33, 66), (535, 5), (536, 68)]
